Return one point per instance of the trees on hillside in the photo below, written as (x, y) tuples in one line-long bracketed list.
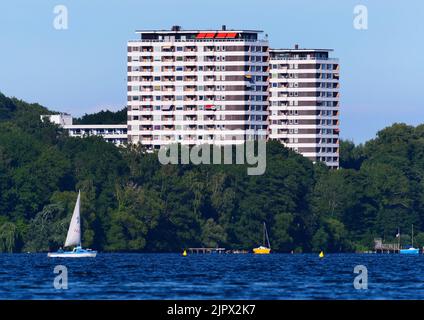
[(132, 202)]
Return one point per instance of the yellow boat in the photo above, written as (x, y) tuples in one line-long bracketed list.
[(263, 249)]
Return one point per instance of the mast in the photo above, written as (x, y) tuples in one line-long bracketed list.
[(412, 236), (267, 238)]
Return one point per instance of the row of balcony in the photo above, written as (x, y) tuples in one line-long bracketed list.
[(189, 88), (193, 117)]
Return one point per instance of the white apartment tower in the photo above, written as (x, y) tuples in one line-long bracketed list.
[(197, 86), (304, 102)]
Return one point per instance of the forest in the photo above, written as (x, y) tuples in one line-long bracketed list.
[(132, 203)]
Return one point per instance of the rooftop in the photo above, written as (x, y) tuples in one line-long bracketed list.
[(178, 29)]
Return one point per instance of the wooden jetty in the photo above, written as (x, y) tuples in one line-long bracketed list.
[(206, 250), (381, 247)]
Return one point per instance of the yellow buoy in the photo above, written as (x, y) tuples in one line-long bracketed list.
[(321, 254), (184, 253)]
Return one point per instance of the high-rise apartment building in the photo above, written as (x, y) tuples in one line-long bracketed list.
[(225, 87), (304, 102), (197, 86)]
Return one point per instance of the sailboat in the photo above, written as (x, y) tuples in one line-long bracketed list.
[(264, 249), (73, 238), (411, 249)]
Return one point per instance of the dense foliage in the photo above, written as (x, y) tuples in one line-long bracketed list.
[(104, 117), (131, 202)]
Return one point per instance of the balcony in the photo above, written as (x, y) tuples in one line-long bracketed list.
[(168, 69), (168, 88), (190, 49), (168, 98), (190, 59), (190, 69), (190, 88), (168, 48), (190, 78), (168, 79), (168, 59)]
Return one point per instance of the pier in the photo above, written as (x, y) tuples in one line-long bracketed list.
[(381, 247), (206, 250)]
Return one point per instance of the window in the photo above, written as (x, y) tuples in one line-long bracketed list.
[(179, 48)]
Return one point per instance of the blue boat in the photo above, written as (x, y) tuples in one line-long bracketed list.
[(411, 249)]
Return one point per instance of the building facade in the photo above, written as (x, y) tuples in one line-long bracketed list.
[(304, 102), (197, 86), (114, 133)]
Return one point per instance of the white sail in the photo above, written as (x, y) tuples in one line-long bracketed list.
[(74, 232)]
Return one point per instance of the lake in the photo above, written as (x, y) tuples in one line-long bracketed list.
[(213, 276)]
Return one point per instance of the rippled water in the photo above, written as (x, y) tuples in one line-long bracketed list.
[(171, 276)]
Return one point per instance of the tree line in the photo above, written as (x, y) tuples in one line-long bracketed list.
[(131, 202)]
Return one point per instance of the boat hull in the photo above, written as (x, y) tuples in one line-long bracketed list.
[(409, 251), (72, 255), (261, 250), (78, 252)]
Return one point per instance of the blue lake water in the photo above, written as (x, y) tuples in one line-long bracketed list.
[(226, 276)]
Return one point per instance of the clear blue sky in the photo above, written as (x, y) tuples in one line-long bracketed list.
[(83, 69)]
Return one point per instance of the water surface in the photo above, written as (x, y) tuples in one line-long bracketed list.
[(213, 276)]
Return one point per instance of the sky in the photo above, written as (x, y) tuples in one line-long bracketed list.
[(83, 69)]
